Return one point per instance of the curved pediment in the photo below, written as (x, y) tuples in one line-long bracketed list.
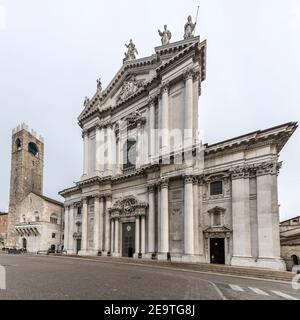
[(128, 206)]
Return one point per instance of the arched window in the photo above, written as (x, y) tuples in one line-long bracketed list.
[(54, 218), (33, 149), (130, 153), (18, 145)]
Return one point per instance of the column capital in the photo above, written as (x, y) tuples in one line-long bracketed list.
[(84, 199), (268, 168), (151, 100), (164, 88), (240, 172), (164, 183), (151, 188), (188, 73), (85, 133), (188, 179)]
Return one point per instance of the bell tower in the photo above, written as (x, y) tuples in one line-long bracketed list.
[(27, 164)]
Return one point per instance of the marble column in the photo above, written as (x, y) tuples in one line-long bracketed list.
[(71, 244), (164, 220), (101, 224), (66, 228), (151, 220), (116, 245), (189, 107), (109, 147), (268, 217), (165, 116), (151, 134), (201, 218), (96, 235), (112, 229), (143, 235), (188, 216), (137, 236), (107, 225), (139, 149), (120, 156), (101, 150), (85, 153), (97, 151), (84, 227), (196, 215), (241, 216)]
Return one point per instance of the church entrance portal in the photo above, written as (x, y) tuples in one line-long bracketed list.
[(217, 250), (128, 239), (78, 245)]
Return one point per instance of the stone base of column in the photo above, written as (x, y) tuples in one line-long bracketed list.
[(116, 254), (162, 256), (71, 251), (137, 255), (264, 263), (106, 253), (149, 255), (187, 258), (88, 253)]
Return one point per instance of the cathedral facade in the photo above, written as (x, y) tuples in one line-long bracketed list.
[(151, 189)]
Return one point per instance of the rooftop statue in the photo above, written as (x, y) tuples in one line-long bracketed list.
[(189, 28), (99, 85), (131, 52), (86, 101), (166, 35)]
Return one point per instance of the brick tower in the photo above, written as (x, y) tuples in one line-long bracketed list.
[(27, 163)]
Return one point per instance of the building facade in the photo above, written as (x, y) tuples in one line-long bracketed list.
[(3, 228), (34, 221), (290, 241), (150, 188)]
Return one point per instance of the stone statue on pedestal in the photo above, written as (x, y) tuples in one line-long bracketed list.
[(86, 101), (189, 28), (99, 85), (131, 52), (165, 35)]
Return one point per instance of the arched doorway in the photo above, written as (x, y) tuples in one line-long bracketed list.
[(24, 244)]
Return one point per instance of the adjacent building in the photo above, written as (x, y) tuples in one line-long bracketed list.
[(3, 228), (290, 240), (150, 188), (35, 222)]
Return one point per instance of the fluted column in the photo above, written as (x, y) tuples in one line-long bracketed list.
[(107, 224), (241, 215), (85, 153), (164, 217), (101, 224), (112, 229), (268, 215), (71, 248), (143, 235), (165, 116), (196, 215), (96, 241), (188, 120), (116, 245), (84, 235), (100, 155), (97, 152), (137, 236), (151, 134), (188, 216), (151, 220), (66, 228)]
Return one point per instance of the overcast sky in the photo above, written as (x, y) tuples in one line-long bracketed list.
[(52, 51)]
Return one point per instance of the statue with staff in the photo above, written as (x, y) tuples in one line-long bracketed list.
[(189, 27)]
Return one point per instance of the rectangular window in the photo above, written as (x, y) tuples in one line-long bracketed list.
[(216, 188), (79, 210), (53, 235), (216, 219)]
